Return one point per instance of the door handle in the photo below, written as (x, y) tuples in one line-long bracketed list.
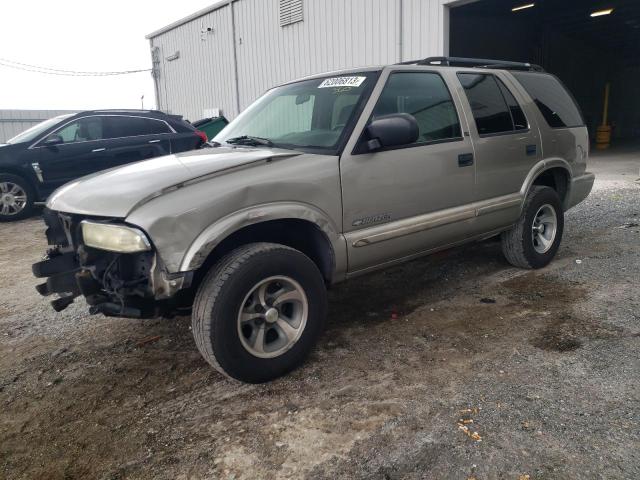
[(465, 159), (96, 150), (531, 150), (154, 141)]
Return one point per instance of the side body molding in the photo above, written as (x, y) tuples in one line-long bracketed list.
[(424, 233), (204, 244)]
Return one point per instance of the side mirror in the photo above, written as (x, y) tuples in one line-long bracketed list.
[(391, 131), (52, 140)]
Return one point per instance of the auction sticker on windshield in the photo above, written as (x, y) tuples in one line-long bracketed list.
[(342, 82)]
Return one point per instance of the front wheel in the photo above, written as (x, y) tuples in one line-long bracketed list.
[(534, 240), (259, 312), (16, 198)]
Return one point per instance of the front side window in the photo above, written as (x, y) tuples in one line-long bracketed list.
[(553, 100), (33, 132), (489, 108), (83, 130), (307, 115), (425, 96)]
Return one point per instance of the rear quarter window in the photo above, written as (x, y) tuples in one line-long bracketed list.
[(552, 99)]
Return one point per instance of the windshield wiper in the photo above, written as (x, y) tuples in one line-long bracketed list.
[(250, 140)]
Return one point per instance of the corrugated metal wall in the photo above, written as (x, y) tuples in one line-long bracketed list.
[(334, 34), (203, 75), (12, 122)]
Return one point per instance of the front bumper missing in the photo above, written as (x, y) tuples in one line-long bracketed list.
[(68, 283), (125, 285)]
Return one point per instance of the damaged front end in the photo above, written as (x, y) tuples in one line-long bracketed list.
[(131, 284)]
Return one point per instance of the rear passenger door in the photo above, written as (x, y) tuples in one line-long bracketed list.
[(134, 138), (506, 142)]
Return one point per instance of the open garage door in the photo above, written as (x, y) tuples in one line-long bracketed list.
[(586, 43)]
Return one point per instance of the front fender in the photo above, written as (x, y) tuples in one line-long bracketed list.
[(208, 239)]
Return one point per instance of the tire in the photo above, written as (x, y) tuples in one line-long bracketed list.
[(522, 245), (252, 278), (13, 187)]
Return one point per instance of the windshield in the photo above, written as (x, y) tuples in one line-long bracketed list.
[(311, 114), (36, 130)]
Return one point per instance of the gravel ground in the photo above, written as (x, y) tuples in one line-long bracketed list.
[(540, 367)]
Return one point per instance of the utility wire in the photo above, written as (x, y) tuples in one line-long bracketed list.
[(57, 71)]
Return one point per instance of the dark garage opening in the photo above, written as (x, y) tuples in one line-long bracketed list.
[(586, 52)]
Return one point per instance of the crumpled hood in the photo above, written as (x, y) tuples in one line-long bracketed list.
[(118, 191)]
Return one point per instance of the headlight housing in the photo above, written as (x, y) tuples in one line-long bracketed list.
[(114, 238)]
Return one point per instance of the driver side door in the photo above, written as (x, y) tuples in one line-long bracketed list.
[(405, 200), (78, 154)]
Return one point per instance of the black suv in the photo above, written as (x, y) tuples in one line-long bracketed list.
[(39, 160)]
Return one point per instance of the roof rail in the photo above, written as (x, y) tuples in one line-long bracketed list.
[(127, 110), (475, 62)]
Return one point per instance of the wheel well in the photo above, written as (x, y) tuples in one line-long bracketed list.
[(19, 173), (16, 172), (556, 178), (302, 235)]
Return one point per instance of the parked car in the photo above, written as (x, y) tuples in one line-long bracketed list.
[(39, 160), (320, 180)]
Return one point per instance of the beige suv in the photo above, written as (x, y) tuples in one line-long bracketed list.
[(320, 180)]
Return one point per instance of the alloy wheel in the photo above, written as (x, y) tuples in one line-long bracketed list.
[(544, 228), (13, 199), (272, 317)]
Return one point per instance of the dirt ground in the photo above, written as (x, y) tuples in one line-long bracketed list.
[(542, 368)]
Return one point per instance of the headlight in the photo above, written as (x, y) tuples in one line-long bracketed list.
[(115, 238)]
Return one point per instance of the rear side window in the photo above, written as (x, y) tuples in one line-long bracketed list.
[(517, 115), (427, 98), (121, 126), (494, 108), (552, 98)]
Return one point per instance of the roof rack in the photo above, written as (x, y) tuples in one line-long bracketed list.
[(126, 110), (475, 62)]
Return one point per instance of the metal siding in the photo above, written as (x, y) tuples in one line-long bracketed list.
[(334, 34), (327, 39), (12, 122), (202, 77), (425, 28)]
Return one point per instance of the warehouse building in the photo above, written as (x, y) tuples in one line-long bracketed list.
[(220, 59), (12, 122)]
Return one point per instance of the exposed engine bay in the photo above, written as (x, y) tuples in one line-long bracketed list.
[(115, 284)]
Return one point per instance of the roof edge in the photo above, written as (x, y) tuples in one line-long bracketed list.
[(211, 8)]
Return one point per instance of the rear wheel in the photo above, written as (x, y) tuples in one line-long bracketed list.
[(259, 312), (16, 198), (534, 240)]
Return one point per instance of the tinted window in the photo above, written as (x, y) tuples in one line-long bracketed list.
[(82, 130), (488, 105), (426, 97), (517, 115), (121, 126), (553, 100)]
